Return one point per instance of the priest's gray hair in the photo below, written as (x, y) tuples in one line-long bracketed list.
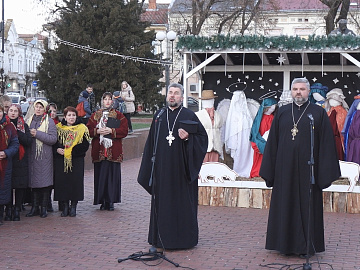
[(177, 85), (300, 80)]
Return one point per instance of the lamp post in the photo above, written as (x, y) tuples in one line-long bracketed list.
[(170, 36), (2, 86)]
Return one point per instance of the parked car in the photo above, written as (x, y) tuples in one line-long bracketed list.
[(16, 98), (193, 104)]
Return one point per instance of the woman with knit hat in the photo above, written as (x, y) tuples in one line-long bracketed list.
[(70, 150), (44, 135)]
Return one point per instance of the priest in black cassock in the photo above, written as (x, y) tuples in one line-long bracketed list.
[(173, 178), (285, 168)]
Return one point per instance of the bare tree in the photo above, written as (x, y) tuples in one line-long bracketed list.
[(225, 15), (334, 6)]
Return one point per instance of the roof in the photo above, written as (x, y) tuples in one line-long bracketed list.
[(155, 16), (30, 37), (289, 5)]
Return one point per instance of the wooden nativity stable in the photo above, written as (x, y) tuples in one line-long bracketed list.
[(262, 66)]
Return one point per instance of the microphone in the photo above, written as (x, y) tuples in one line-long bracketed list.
[(160, 113), (310, 117)]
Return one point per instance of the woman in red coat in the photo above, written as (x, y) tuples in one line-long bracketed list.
[(107, 127)]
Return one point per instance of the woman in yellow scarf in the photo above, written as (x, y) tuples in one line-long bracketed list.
[(70, 150)]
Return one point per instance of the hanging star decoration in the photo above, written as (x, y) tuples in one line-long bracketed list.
[(345, 86), (314, 79), (358, 74), (335, 80), (247, 77), (261, 86), (229, 76), (357, 91), (218, 82), (349, 92), (239, 80), (260, 78), (270, 80), (325, 74), (281, 59), (276, 84)]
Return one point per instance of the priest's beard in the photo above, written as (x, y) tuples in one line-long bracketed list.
[(173, 104), (300, 100)]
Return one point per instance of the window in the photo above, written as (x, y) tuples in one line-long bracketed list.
[(300, 19)]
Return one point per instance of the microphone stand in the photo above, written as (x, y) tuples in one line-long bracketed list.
[(307, 265), (153, 254)]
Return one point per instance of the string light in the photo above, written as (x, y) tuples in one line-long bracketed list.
[(125, 57)]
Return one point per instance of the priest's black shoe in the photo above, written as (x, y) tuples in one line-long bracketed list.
[(111, 207)]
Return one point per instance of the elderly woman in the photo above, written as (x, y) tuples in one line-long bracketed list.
[(71, 147), (9, 145), (20, 172), (107, 127), (43, 132)]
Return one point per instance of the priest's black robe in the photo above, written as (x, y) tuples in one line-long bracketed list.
[(285, 168), (174, 190)]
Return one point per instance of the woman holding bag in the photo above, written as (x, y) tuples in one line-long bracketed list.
[(107, 127)]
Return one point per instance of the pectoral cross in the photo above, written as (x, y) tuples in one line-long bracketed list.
[(170, 138), (294, 131)]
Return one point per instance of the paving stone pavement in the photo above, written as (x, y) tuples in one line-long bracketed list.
[(230, 238)]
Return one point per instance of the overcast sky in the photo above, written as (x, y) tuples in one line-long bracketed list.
[(29, 16)]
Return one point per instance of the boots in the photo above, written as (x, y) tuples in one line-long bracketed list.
[(65, 206), (44, 203), (73, 208), (60, 205), (1, 214), (49, 205), (8, 212), (35, 204), (16, 213)]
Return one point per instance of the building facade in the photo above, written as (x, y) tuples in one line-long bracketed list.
[(20, 59)]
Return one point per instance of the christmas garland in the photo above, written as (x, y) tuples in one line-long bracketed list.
[(281, 43)]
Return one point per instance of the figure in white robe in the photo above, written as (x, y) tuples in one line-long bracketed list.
[(237, 134)]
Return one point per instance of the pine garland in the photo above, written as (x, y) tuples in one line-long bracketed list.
[(281, 43)]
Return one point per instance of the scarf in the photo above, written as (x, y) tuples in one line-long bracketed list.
[(211, 113), (69, 136), (106, 142), (4, 141), (44, 126), (19, 124)]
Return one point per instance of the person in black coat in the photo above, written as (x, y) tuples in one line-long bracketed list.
[(70, 150), (20, 171)]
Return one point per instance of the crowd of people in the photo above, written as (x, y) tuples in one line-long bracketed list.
[(40, 152), (53, 151)]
